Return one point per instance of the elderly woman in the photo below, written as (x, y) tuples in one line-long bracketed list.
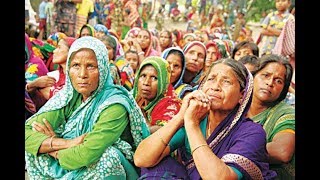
[(271, 84), (90, 128), (154, 92), (211, 132)]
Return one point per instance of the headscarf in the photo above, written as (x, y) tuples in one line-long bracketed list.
[(54, 38), (162, 67), (134, 31), (150, 50), (222, 48), (101, 28), (91, 30), (34, 66), (215, 45), (86, 115), (186, 48), (166, 53), (229, 126)]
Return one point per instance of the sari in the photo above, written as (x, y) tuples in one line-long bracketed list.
[(275, 119), (165, 105), (115, 161), (180, 87), (237, 141)]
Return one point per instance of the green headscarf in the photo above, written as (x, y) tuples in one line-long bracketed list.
[(162, 67)]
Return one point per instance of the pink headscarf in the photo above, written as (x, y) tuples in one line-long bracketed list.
[(285, 44)]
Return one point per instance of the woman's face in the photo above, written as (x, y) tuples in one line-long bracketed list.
[(195, 58), (211, 56), (99, 34), (242, 52), (175, 63), (84, 72), (60, 54), (188, 39), (223, 88), (148, 83), (110, 51), (269, 82), (143, 39), (85, 32), (164, 39), (133, 60)]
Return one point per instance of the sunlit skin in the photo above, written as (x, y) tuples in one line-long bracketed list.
[(195, 58), (85, 32), (175, 63), (60, 54), (143, 39), (242, 52), (211, 56), (133, 60), (269, 83), (222, 88), (148, 83), (84, 72)]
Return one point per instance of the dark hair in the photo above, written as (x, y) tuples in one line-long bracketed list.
[(270, 58), (239, 69), (246, 44), (250, 59), (131, 51), (176, 52)]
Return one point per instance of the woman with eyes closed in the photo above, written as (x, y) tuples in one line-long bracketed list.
[(211, 132), (154, 93), (271, 84), (90, 128)]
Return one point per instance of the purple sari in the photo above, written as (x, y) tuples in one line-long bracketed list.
[(237, 141)]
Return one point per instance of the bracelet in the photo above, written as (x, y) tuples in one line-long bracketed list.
[(50, 142), (165, 144), (141, 53), (198, 147)]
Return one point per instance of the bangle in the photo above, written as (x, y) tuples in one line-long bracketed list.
[(50, 142), (141, 53), (201, 145), (165, 144)]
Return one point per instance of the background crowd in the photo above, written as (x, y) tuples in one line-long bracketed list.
[(108, 97)]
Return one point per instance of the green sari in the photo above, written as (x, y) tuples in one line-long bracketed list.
[(275, 119), (115, 161)]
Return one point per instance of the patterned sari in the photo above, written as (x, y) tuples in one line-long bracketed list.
[(237, 141), (116, 160), (165, 105), (275, 119)]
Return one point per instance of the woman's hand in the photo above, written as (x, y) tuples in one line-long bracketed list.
[(199, 106), (45, 128), (42, 82), (76, 141)]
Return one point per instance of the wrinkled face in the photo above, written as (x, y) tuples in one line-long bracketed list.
[(195, 58), (223, 88), (84, 72), (148, 82), (242, 52), (143, 39), (269, 82), (85, 32), (60, 54), (164, 39), (211, 55), (175, 63), (133, 60)]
